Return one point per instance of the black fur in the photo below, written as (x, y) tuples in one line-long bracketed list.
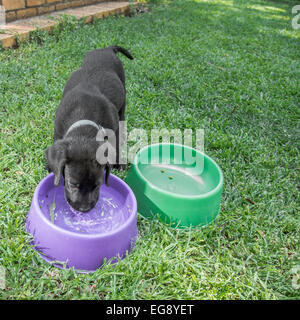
[(94, 92)]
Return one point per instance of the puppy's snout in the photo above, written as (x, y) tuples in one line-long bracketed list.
[(85, 209), (82, 208), (80, 203), (82, 200)]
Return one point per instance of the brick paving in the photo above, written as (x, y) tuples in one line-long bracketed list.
[(20, 29)]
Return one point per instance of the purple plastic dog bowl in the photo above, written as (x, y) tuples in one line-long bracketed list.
[(67, 238)]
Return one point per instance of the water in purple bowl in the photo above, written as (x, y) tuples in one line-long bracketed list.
[(109, 213)]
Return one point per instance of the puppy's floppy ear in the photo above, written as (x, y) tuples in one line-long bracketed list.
[(56, 157), (107, 172)]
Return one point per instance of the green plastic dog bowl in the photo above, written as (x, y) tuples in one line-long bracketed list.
[(181, 185)]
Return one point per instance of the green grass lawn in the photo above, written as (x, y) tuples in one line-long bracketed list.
[(228, 67)]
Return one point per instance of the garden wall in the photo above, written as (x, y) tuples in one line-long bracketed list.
[(21, 9)]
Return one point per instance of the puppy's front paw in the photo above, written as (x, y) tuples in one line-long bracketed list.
[(119, 166)]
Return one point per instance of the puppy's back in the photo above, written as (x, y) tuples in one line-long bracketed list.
[(102, 60)]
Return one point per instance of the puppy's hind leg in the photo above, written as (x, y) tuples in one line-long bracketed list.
[(122, 113), (120, 138)]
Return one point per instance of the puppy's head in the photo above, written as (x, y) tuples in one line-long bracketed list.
[(83, 175)]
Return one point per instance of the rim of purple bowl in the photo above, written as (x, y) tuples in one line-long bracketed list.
[(84, 235)]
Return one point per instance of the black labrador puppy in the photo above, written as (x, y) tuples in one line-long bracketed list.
[(94, 99)]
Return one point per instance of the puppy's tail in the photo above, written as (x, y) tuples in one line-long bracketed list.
[(122, 50)]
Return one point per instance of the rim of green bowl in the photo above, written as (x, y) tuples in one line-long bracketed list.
[(178, 195)]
